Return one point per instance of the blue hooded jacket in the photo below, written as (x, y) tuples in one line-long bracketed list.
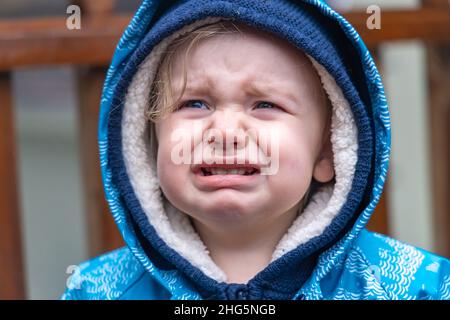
[(328, 253)]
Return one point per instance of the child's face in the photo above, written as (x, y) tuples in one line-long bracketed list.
[(246, 82)]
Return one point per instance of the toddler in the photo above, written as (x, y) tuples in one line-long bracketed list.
[(244, 145)]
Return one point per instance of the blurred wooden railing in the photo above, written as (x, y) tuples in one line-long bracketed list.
[(25, 43), (47, 41)]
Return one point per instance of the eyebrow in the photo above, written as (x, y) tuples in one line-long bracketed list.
[(197, 89), (254, 89), (267, 89)]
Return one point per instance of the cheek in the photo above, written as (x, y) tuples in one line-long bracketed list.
[(171, 175), (293, 179), (296, 152), (174, 180), (295, 165)]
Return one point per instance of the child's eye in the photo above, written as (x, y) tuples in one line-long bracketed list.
[(196, 104), (265, 105)]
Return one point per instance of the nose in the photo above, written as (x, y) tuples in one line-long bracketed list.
[(228, 130)]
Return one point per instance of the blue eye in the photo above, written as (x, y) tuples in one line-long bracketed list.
[(265, 105), (195, 104)]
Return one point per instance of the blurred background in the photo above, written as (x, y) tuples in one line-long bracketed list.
[(52, 211)]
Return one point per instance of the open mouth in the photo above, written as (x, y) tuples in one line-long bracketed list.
[(212, 170), (224, 171)]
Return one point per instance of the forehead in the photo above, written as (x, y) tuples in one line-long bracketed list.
[(248, 55), (248, 47)]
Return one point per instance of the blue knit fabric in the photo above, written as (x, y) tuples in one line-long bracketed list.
[(308, 30)]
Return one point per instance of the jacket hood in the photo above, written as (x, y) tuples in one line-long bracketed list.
[(160, 236)]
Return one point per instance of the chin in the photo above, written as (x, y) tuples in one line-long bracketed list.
[(233, 208)]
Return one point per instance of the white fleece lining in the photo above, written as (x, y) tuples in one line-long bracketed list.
[(173, 226)]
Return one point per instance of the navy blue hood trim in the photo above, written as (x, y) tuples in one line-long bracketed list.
[(303, 26)]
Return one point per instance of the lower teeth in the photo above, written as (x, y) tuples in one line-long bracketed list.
[(206, 173)]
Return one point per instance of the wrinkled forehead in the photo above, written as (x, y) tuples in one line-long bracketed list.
[(246, 55)]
